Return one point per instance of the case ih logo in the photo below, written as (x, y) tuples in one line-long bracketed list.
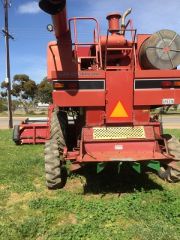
[(80, 74)]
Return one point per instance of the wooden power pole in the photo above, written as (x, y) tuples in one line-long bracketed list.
[(8, 75)]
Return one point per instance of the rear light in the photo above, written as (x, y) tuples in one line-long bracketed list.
[(66, 86), (72, 86), (58, 85), (166, 84), (177, 84)]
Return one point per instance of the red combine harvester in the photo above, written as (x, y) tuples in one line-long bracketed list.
[(103, 93)]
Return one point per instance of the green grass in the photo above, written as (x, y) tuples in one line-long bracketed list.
[(135, 207)]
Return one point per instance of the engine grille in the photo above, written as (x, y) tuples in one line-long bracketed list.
[(100, 133)]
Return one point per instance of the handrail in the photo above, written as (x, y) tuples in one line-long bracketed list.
[(96, 42)]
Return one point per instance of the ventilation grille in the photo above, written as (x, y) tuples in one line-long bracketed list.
[(118, 133)]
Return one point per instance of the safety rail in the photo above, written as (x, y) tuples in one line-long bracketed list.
[(96, 43)]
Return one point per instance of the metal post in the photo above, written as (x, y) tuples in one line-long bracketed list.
[(8, 76)]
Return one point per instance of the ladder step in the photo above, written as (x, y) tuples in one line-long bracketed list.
[(118, 49), (87, 57), (117, 67)]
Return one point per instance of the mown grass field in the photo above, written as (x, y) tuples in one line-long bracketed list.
[(105, 208)]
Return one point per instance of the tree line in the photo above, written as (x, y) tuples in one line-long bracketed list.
[(26, 92)]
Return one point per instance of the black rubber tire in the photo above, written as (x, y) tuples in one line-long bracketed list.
[(16, 135), (56, 173), (170, 175), (56, 130), (173, 145)]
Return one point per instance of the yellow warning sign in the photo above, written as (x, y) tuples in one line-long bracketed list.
[(119, 111)]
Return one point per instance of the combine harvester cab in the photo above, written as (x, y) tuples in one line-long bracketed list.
[(103, 93)]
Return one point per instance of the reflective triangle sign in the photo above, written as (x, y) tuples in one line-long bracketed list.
[(119, 111)]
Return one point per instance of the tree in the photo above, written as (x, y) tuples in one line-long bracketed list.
[(3, 97), (3, 104), (24, 89), (15, 105), (45, 91), (4, 86)]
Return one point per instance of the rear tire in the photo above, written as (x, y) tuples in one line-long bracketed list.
[(174, 147), (168, 173), (56, 173), (58, 127)]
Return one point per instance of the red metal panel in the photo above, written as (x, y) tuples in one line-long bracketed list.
[(59, 58), (119, 86), (154, 97), (33, 133), (107, 156), (141, 115), (83, 51), (100, 74), (158, 131), (121, 151), (95, 116), (157, 74), (177, 96), (119, 147), (79, 98)]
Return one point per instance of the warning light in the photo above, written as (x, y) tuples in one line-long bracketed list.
[(119, 111), (177, 84), (58, 85), (166, 84), (72, 86)]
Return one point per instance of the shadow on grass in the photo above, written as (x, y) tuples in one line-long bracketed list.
[(109, 181)]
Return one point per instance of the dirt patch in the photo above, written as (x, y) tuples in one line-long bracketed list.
[(75, 185), (72, 218), (125, 222), (3, 187), (41, 238), (17, 198), (38, 184), (69, 219)]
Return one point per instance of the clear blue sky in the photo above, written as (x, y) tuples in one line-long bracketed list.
[(28, 23)]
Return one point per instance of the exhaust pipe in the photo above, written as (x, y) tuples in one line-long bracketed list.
[(123, 25), (52, 7)]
